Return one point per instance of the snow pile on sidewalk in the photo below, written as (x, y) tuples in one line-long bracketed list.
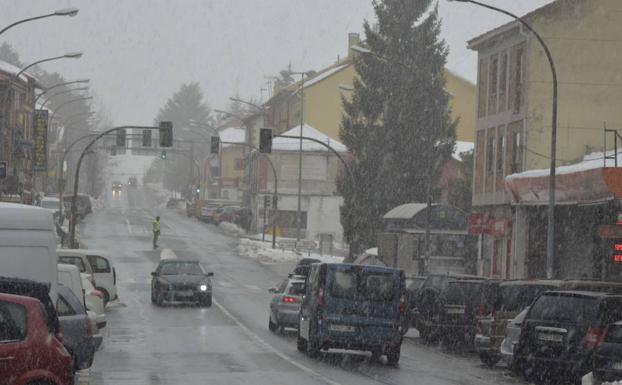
[(231, 228), (263, 251)]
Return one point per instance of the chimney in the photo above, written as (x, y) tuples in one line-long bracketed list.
[(353, 39)]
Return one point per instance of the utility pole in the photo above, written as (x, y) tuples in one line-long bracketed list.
[(299, 212)]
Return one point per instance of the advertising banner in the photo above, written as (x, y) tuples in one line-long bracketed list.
[(41, 140)]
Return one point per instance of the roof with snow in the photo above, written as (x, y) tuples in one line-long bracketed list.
[(233, 135), (462, 147), (323, 75), (405, 211), (590, 162), (13, 70), (291, 144)]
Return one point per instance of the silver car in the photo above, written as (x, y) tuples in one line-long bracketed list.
[(285, 304), (77, 328), (512, 335)]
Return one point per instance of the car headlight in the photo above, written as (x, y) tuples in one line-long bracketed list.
[(203, 287)]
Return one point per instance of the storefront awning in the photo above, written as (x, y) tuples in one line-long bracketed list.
[(579, 187)]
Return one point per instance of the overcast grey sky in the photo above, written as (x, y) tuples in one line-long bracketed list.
[(138, 52)]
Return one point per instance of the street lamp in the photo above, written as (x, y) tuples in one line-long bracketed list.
[(60, 93), (60, 12), (59, 85), (550, 240), (71, 55)]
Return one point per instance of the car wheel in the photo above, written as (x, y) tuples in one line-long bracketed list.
[(273, 327), (159, 300), (490, 360), (376, 354), (301, 343), (153, 297), (105, 293), (393, 355)]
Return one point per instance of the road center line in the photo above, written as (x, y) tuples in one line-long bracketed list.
[(129, 227), (273, 349)]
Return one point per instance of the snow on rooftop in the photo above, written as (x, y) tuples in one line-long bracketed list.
[(590, 161), (12, 70), (291, 144), (461, 147), (232, 134), (324, 75)]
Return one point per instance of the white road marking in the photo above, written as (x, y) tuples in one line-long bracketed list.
[(129, 227), (224, 283), (273, 349), (253, 287)]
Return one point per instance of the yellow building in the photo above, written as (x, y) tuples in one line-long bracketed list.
[(513, 133), (323, 109)]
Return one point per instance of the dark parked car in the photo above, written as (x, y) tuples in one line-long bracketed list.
[(353, 307), (29, 352), (608, 356), (511, 298), (179, 280), (304, 265), (413, 284), (77, 328), (285, 304), (429, 305), (561, 331)]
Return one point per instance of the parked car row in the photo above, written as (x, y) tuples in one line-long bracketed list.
[(50, 313), (342, 306)]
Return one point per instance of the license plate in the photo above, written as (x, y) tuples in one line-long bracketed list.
[(342, 328), (550, 337), (617, 366), (185, 293), (455, 311)]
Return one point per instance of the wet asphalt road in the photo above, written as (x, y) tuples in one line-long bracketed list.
[(228, 343)]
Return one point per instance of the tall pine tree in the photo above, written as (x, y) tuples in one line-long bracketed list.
[(397, 124)]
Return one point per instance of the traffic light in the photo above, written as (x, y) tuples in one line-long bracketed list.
[(265, 140), (121, 138), (163, 154), (215, 145), (146, 138), (266, 201), (166, 134)]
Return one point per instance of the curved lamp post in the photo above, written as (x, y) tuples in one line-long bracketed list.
[(70, 55), (60, 12), (61, 93), (550, 239), (59, 85)]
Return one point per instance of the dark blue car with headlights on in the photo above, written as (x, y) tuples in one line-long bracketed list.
[(179, 280), (353, 307)]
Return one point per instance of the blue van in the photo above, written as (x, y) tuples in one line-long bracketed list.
[(353, 307)]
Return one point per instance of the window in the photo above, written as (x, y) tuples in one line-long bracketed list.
[(99, 264), (356, 284), (503, 83), (490, 155), (482, 87), (76, 261), (492, 84), (296, 288), (516, 152), (63, 308), (517, 74), (500, 150), (555, 307), (12, 322)]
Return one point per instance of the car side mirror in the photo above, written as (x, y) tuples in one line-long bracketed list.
[(210, 274), (272, 290), (154, 274)]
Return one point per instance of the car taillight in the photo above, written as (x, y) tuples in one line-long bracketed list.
[(88, 327), (403, 304), (59, 335), (97, 293), (593, 337), (290, 300)]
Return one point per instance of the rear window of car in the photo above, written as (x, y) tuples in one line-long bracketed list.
[(614, 334), (356, 284), (76, 261), (564, 308), (12, 322), (296, 288), (464, 293), (514, 298)]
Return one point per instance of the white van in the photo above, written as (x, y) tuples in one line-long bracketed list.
[(28, 245), (94, 262), (69, 275)]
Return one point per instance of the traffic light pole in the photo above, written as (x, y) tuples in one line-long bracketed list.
[(74, 199), (276, 189)]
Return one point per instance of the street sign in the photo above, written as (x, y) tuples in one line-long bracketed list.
[(3, 170), (41, 140), (476, 224)]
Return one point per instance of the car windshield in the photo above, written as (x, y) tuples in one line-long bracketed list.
[(178, 268), (296, 288), (564, 308)]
